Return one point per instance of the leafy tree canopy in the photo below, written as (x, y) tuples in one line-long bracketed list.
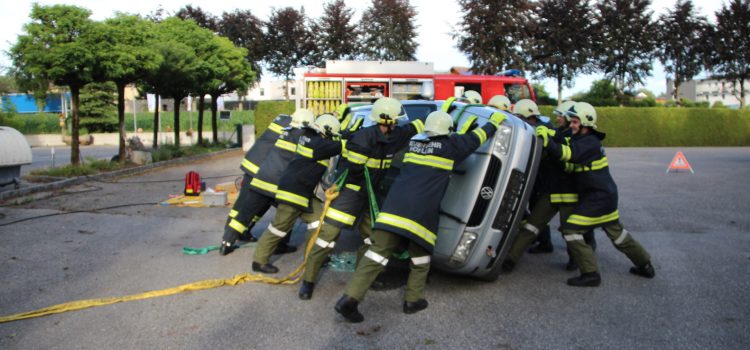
[(389, 32)]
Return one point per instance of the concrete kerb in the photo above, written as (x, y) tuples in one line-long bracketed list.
[(108, 175)]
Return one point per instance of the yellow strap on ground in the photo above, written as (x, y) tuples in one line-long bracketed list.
[(291, 278)]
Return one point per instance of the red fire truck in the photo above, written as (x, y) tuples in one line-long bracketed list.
[(322, 89)]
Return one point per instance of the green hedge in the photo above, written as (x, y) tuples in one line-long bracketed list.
[(673, 127), (28, 124), (266, 111)]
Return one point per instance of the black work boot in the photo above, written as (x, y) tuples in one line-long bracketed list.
[(644, 271), (226, 248), (265, 268), (306, 290), (508, 265), (590, 279), (414, 307), (347, 307), (284, 248)]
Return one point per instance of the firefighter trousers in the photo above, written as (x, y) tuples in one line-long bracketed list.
[(541, 215), (282, 224), (327, 238), (376, 258), (584, 256), (246, 211)]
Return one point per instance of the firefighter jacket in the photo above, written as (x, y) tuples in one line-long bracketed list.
[(413, 203), (278, 158), (541, 184), (368, 147), (597, 192), (256, 154), (561, 187), (297, 184)]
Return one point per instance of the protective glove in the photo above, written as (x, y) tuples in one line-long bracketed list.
[(448, 104), (497, 118), (544, 132)]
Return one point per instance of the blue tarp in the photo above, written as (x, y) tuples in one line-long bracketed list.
[(25, 103)]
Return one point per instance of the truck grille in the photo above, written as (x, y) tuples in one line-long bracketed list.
[(490, 180)]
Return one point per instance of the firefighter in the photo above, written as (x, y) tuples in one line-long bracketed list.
[(529, 111), (344, 115), (369, 149), (411, 210), (250, 166), (597, 198), (262, 187), (560, 196), (500, 102), (295, 193), (472, 97)]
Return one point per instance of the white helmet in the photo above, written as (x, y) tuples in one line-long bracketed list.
[(526, 108), (473, 97), (438, 123), (302, 117), (585, 113), (500, 102), (563, 108), (328, 125), (385, 111)]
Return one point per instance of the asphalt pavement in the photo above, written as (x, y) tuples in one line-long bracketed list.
[(695, 226)]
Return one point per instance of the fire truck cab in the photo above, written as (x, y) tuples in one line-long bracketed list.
[(361, 82)]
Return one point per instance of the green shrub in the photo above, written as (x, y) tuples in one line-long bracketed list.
[(89, 166), (671, 127), (266, 111)]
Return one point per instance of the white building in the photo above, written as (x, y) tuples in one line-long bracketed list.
[(711, 91), (266, 90)]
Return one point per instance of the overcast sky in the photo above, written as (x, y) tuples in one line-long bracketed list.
[(435, 20)]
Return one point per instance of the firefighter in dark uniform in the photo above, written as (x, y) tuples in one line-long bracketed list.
[(597, 198), (250, 166), (344, 115), (373, 148), (295, 193), (262, 187), (411, 210), (558, 195), (529, 111)]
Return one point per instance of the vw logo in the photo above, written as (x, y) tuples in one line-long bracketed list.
[(486, 192)]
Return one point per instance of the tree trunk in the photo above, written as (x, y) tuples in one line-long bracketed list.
[(75, 152), (559, 90), (121, 120), (214, 125), (177, 101), (155, 144), (201, 104), (742, 92)]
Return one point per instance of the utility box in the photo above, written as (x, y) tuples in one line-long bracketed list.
[(14, 152)]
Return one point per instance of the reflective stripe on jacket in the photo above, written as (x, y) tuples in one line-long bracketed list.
[(413, 202), (267, 179)]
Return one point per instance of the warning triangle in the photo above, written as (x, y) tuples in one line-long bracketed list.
[(679, 162)]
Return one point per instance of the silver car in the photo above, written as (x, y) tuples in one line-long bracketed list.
[(488, 192)]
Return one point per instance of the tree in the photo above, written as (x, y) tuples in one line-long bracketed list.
[(562, 33), (98, 107), (542, 96), (389, 32), (336, 35), (128, 56), (601, 93), (177, 41), (57, 47), (7, 84), (626, 41), (290, 43), (681, 49), (201, 18), (245, 30), (730, 57), (492, 33)]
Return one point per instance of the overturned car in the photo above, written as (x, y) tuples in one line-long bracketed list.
[(488, 192)]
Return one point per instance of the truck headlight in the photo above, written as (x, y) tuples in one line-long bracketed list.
[(502, 139), (465, 245)]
